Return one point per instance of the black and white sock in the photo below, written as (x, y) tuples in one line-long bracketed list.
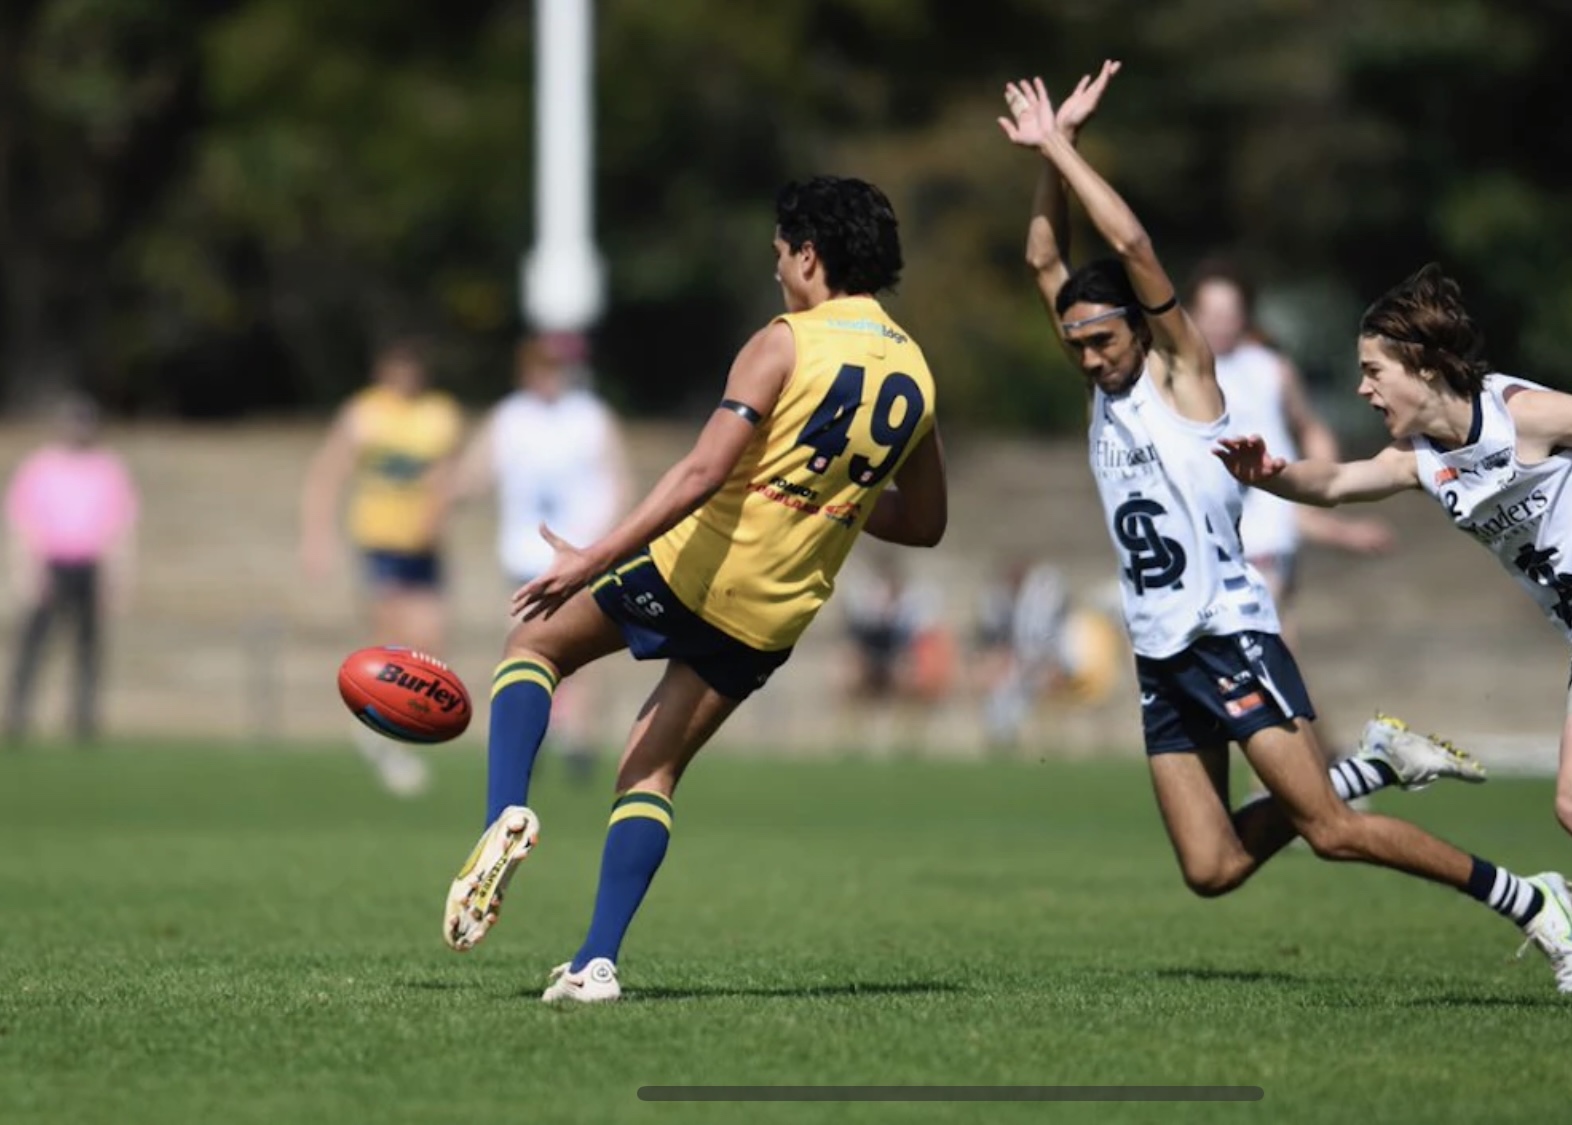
[(1507, 894), (1360, 777)]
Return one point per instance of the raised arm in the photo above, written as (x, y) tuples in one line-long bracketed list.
[(1325, 484), (1048, 233), (1187, 361), (758, 375)]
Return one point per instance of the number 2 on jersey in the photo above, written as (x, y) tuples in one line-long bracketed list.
[(828, 431)]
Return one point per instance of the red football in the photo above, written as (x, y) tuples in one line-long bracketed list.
[(404, 694)]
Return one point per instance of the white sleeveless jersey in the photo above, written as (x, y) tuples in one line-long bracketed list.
[(1520, 513), (1173, 513), (1252, 380), (554, 465)]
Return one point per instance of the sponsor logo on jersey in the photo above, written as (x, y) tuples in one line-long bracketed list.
[(803, 499), (869, 327), (1118, 459), (1506, 518), (1445, 476)]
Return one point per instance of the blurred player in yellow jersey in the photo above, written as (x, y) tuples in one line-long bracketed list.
[(389, 445), (825, 429)]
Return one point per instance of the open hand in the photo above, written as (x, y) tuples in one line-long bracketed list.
[(1247, 459), (1031, 117), (1077, 109), (570, 571)]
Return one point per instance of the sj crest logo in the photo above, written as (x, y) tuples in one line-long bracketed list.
[(1155, 562)]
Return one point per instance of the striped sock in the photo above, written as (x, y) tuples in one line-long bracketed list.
[(521, 692), (1360, 777), (1504, 892), (635, 845)]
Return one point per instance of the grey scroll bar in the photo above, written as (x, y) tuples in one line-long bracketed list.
[(951, 1093)]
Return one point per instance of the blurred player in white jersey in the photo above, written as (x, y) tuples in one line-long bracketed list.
[(1212, 667), (553, 450), (1266, 396)]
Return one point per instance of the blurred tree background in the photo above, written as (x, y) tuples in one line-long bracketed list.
[(213, 209)]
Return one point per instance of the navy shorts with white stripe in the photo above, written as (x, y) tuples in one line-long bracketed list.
[(1219, 690)]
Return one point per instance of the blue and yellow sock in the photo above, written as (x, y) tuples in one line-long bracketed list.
[(521, 692), (635, 845)]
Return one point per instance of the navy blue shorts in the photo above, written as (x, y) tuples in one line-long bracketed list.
[(1219, 690), (398, 568), (657, 626)]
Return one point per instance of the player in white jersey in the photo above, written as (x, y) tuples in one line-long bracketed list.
[(1212, 668), (1266, 396), (1493, 450), (553, 450)]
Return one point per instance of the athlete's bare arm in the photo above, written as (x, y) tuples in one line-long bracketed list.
[(1325, 484), (1312, 435), (1048, 233), (1187, 365), (1316, 442), (475, 469), (1543, 420), (758, 375), (915, 509), (329, 471)]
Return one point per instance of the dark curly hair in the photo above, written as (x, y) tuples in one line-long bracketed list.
[(1102, 282), (1426, 328), (852, 227)]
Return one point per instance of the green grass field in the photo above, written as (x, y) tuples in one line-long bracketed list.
[(245, 937)]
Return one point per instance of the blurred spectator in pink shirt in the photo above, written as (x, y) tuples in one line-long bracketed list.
[(70, 509)]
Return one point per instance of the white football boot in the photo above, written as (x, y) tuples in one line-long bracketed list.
[(1417, 759), (595, 983), (1551, 928), (475, 897)]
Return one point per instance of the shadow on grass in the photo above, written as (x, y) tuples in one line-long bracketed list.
[(1521, 1003), (1227, 976), (851, 989)]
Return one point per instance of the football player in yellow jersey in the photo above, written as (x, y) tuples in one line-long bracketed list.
[(388, 446), (825, 429)]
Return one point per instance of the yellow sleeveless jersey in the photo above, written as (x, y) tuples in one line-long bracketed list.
[(401, 440), (760, 557)]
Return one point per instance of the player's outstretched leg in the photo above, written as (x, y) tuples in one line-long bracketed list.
[(678, 719), (1219, 850), (538, 653), (1286, 761)]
